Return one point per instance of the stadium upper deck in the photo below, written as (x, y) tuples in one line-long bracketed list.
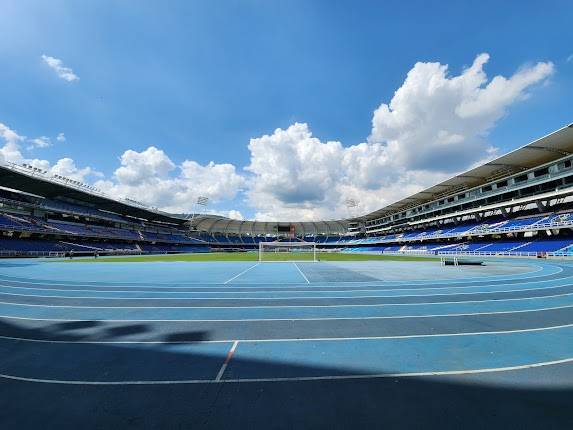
[(534, 180), (537, 174)]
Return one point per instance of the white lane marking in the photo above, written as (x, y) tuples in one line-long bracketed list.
[(517, 299), (227, 360), (307, 297), (300, 378), (298, 319), (308, 339), (302, 274), (244, 271), (493, 278), (280, 289)]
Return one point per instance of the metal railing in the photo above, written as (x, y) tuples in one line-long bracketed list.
[(473, 231), (492, 253), (61, 254), (556, 254)]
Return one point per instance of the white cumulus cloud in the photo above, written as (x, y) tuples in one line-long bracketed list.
[(435, 125), (151, 177), (11, 151), (40, 142), (139, 168), (297, 176), (57, 65), (439, 122), (67, 167)]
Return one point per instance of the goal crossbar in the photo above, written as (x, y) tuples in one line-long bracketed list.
[(287, 251)]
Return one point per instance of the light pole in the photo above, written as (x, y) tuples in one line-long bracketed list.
[(351, 203), (201, 201)]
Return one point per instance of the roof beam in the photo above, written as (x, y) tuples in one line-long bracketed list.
[(471, 177), (548, 149)]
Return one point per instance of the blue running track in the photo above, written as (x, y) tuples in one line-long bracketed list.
[(286, 345)]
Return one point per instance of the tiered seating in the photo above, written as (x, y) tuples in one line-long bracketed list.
[(517, 247), (22, 223), (165, 248), (545, 246), (555, 219), (30, 245), (461, 229), (566, 252), (504, 246), (520, 223), (45, 246)]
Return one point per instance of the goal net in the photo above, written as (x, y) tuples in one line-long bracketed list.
[(287, 251)]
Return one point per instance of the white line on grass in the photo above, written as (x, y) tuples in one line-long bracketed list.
[(244, 271)]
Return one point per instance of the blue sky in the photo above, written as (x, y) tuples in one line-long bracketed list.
[(199, 80)]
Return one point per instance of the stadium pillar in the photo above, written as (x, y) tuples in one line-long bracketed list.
[(541, 206)]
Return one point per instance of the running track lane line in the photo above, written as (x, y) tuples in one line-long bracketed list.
[(297, 379), (297, 319), (302, 274), (227, 360), (272, 289), (395, 284), (316, 296), (244, 271), (297, 339), (360, 305)]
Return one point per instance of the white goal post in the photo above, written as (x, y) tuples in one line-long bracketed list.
[(287, 251)]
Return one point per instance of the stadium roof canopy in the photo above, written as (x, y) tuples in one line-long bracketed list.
[(544, 150), (35, 181), (541, 151), (212, 223), (38, 182)]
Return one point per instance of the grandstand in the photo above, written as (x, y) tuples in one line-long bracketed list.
[(520, 204)]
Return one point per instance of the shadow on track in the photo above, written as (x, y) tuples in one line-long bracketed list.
[(478, 401)]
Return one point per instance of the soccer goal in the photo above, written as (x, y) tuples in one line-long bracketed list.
[(287, 251)]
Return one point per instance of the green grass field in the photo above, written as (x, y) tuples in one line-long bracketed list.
[(247, 256)]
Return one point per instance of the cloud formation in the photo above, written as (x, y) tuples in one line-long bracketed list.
[(435, 125), (57, 65), (151, 177), (40, 142), (439, 122), (11, 152)]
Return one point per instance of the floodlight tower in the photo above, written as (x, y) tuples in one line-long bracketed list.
[(351, 205), (201, 201)]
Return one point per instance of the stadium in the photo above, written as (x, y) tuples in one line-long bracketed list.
[(300, 214), (517, 205), (116, 299)]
